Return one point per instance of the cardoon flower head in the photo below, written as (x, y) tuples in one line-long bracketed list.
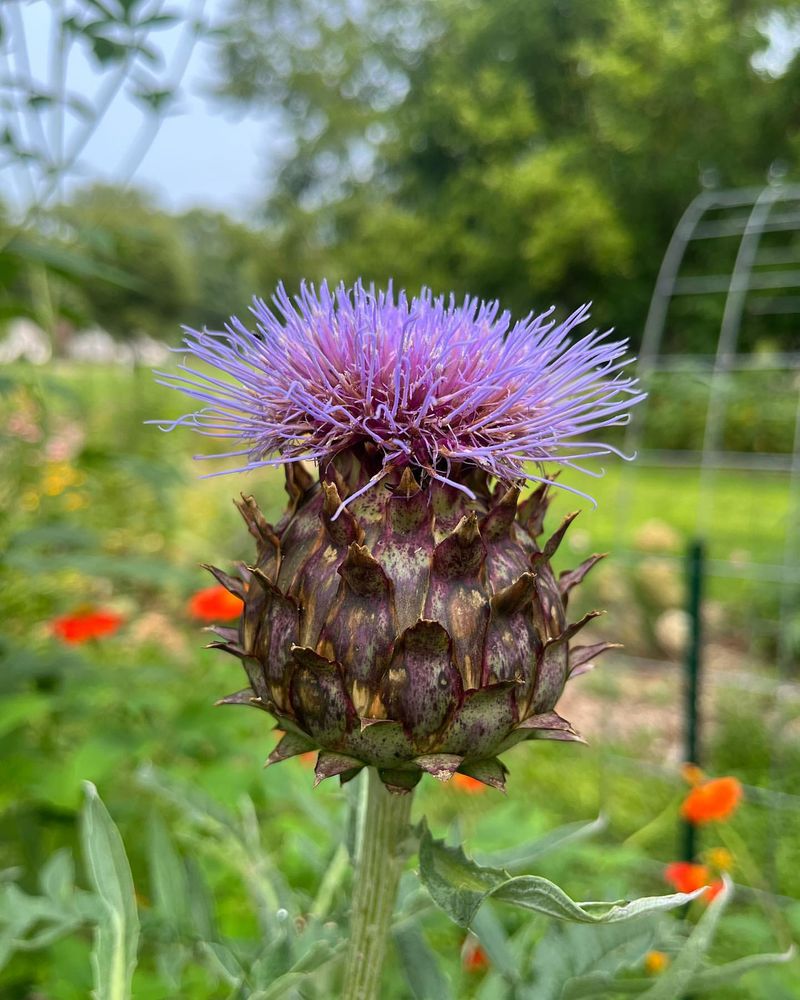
[(433, 385), (402, 614)]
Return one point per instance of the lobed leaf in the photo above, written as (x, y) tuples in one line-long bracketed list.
[(459, 887), (493, 938), (675, 981), (314, 959), (601, 986)]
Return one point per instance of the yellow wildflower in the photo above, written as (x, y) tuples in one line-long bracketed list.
[(655, 962)]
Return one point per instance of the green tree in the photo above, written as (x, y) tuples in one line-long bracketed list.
[(230, 263), (125, 231)]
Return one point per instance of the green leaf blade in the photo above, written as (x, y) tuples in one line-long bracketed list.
[(424, 976), (117, 931), (459, 887), (679, 976)]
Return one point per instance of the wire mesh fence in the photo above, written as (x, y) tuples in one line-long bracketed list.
[(737, 468)]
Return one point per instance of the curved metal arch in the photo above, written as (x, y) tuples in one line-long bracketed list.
[(743, 269), (730, 326), (665, 286)]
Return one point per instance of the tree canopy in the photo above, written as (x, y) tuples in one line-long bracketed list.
[(541, 152)]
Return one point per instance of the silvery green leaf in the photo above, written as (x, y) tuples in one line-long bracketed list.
[(313, 960), (223, 962), (57, 877), (196, 807), (601, 986), (236, 840), (680, 975), (712, 979), (168, 880), (494, 941), (15, 919), (172, 902), (30, 922), (424, 977), (576, 960), (201, 903), (459, 887), (116, 936)]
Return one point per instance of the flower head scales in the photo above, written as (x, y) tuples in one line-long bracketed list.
[(431, 383)]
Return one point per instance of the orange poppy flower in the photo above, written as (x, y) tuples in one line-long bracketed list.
[(86, 624), (687, 877), (469, 785), (214, 604), (473, 957), (712, 800)]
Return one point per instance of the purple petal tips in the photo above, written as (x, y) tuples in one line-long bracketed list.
[(430, 383)]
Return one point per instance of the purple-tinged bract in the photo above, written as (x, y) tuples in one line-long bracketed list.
[(432, 384)]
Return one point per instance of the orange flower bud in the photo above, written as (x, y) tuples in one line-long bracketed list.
[(686, 876), (720, 858)]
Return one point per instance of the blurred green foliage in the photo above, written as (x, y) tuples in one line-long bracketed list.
[(120, 228), (113, 259), (196, 268)]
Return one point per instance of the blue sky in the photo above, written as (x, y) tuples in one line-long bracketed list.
[(202, 156)]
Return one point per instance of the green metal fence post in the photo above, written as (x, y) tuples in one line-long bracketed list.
[(694, 662)]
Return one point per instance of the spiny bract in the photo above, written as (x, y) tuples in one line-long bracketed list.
[(418, 631)]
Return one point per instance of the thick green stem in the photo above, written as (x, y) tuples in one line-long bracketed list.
[(382, 827)]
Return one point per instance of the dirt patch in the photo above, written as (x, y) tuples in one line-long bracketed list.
[(640, 703)]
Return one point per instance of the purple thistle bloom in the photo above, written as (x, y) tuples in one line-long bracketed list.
[(430, 383)]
